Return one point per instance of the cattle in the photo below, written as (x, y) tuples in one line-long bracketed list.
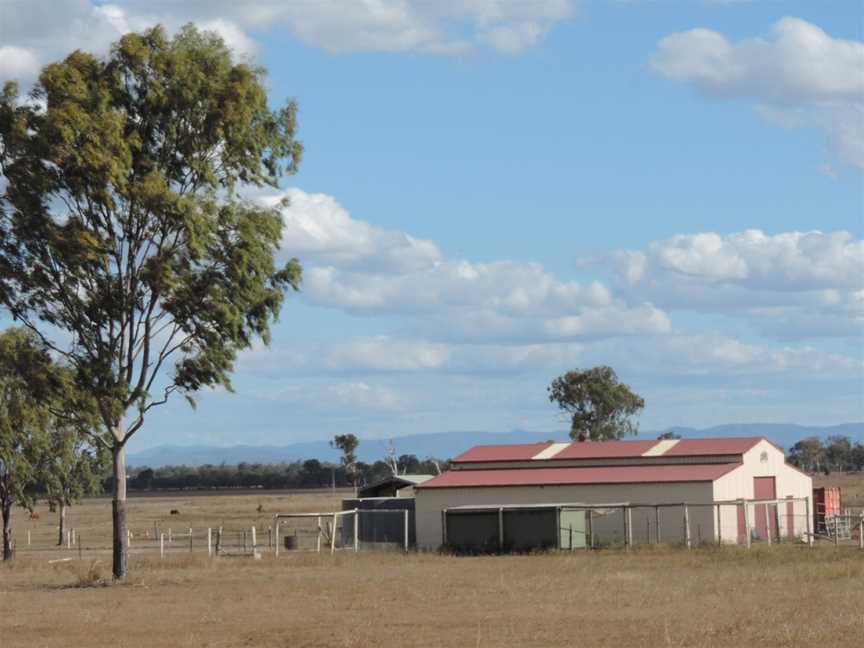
[(175, 512), (34, 515)]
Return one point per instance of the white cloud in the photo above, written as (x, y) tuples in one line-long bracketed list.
[(800, 76), (791, 284), (17, 63), (319, 230), (712, 355), (36, 33), (356, 267), (341, 395)]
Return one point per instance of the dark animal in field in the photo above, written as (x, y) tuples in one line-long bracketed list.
[(260, 508), (34, 515), (175, 512)]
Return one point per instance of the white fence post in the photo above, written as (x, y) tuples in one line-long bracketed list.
[(406, 529), (161, 546), (318, 543), (209, 542), (356, 530), (333, 536), (254, 540), (687, 525)]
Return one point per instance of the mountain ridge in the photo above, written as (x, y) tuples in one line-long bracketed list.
[(443, 445)]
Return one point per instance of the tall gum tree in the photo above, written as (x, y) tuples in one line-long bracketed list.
[(123, 241)]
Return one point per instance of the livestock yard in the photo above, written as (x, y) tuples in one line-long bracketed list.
[(655, 595)]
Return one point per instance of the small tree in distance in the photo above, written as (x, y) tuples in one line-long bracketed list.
[(347, 444), (600, 407)]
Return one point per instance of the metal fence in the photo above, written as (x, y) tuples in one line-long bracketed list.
[(355, 530)]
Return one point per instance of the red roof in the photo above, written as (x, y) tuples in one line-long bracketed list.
[(608, 450), (579, 476), (605, 449), (703, 447), (512, 452)]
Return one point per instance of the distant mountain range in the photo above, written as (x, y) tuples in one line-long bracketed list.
[(443, 445)]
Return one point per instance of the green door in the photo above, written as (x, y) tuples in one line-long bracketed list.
[(572, 529)]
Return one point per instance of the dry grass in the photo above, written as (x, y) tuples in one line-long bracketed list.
[(656, 596)]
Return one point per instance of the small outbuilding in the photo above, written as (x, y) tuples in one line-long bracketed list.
[(393, 486), (568, 495)]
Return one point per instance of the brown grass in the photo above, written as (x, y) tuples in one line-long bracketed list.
[(656, 596)]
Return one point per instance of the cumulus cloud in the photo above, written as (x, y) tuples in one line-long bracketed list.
[(792, 284), (799, 75), (320, 230), (34, 34)]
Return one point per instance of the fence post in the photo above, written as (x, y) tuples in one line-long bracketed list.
[(624, 522), (500, 528), (591, 528), (861, 533), (318, 543), (161, 546), (807, 514), (69, 539), (209, 542), (269, 537), (629, 526), (407, 526), (254, 540), (719, 532), (687, 525), (657, 522), (276, 536), (356, 530), (767, 524), (333, 536), (444, 527), (219, 541), (747, 522), (244, 540)]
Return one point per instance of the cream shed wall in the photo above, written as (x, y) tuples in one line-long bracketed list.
[(430, 502), (738, 484)]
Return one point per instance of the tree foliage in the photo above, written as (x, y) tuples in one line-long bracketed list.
[(123, 239), (599, 406), (835, 454), (347, 444), (24, 422)]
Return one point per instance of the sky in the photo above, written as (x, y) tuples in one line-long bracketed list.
[(494, 192)]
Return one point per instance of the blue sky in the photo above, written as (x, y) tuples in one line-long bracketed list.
[(494, 192)]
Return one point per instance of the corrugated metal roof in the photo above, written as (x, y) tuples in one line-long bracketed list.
[(608, 450), (706, 447), (510, 452), (605, 449), (579, 476)]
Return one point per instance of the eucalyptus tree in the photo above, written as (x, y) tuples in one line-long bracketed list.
[(124, 242), (600, 407), (73, 467), (24, 423)]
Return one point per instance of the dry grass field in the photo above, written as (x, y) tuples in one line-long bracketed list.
[(654, 596)]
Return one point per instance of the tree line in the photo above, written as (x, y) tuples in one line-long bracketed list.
[(835, 454), (310, 473)]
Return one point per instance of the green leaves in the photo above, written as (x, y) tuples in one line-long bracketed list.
[(599, 405), (120, 224)]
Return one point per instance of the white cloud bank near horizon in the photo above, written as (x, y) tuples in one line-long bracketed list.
[(799, 76)]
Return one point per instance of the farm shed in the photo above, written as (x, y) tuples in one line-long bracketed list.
[(381, 520), (629, 489), (393, 486)]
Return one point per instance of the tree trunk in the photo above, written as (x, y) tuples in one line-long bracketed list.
[(118, 509), (62, 525), (8, 547)]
